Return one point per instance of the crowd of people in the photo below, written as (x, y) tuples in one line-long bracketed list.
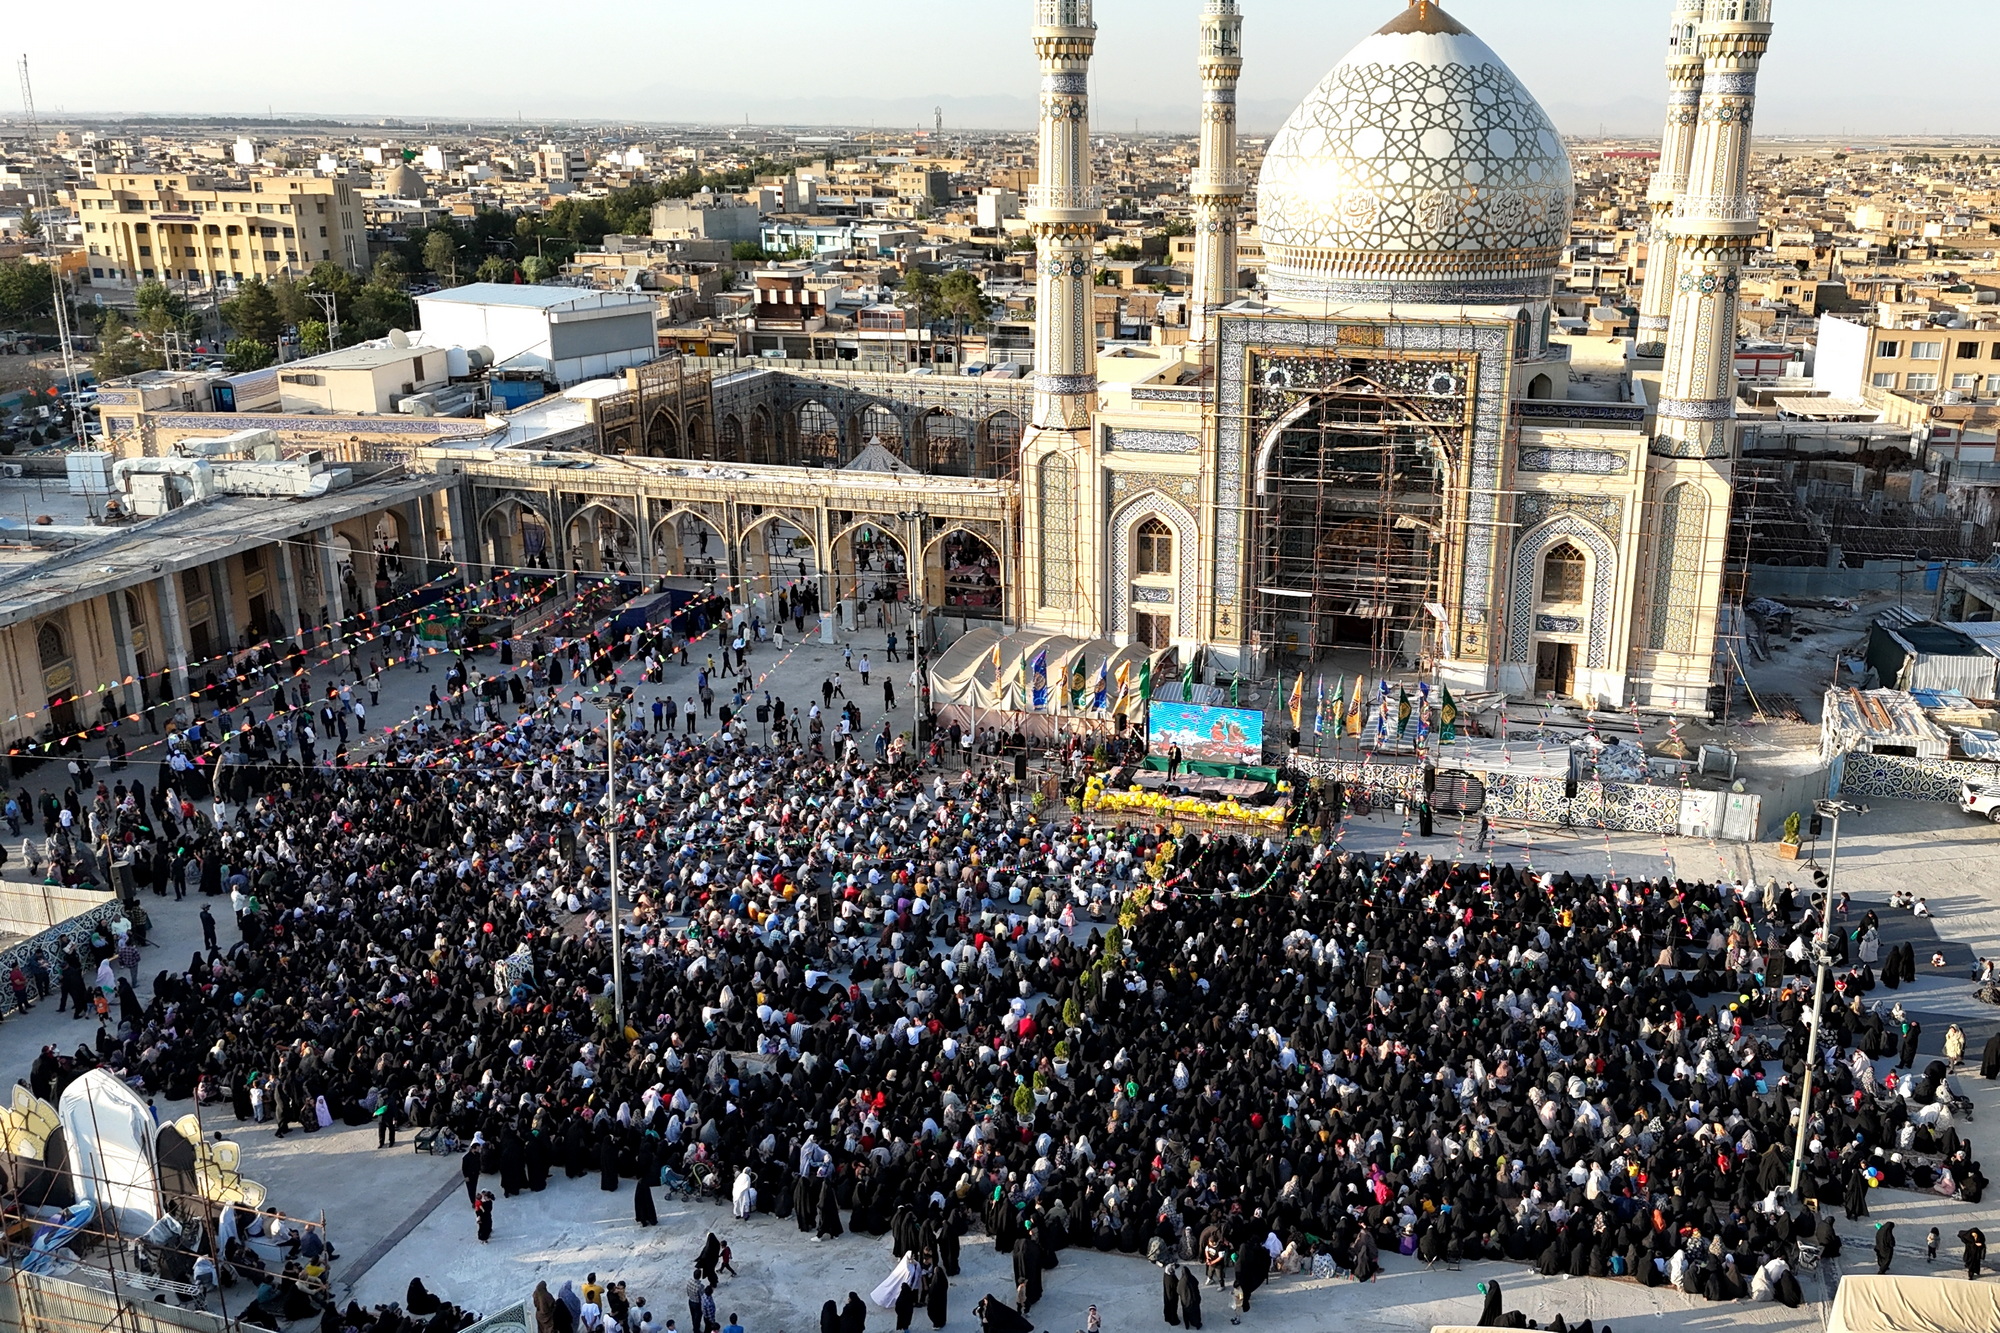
[(915, 1003)]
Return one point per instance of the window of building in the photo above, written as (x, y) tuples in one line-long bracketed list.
[(1888, 351), (1993, 384), (1882, 380), (1562, 574), (1927, 351), (50, 647), (1919, 383), (1965, 381), (1968, 351), (1153, 548)]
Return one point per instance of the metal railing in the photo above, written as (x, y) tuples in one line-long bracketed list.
[(1735, 11), (1718, 208), (1064, 196), (1063, 14)]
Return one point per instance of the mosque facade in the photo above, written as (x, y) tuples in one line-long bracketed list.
[(1377, 452), (1377, 459)]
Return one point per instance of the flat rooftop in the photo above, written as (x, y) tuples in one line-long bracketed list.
[(528, 296), (128, 554)]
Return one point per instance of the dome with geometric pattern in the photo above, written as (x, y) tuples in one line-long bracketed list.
[(1419, 170)]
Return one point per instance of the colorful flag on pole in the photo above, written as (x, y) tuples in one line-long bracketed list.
[(1038, 681), (1423, 709), (1077, 680), (1145, 680), (1356, 704), (1382, 713), (1402, 710), (1021, 686), (1447, 717), (996, 663), (1319, 705), (1236, 690), (1187, 680), (1298, 700)]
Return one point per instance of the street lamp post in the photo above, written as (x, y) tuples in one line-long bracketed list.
[(613, 711), (1831, 810)]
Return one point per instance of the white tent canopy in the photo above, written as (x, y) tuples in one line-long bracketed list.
[(110, 1135), (1914, 1305)]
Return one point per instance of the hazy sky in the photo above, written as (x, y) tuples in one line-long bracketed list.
[(1836, 66)]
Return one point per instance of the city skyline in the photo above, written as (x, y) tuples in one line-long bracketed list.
[(890, 71)]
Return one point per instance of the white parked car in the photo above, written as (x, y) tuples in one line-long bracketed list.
[(1982, 799)]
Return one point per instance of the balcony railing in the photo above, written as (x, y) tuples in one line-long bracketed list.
[(1718, 208), (1062, 13), (1060, 196), (1736, 11), (1225, 180)]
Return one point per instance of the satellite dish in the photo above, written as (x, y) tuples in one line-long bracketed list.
[(398, 338)]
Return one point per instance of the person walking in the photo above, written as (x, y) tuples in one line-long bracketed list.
[(482, 1210), (468, 1167), (1885, 1246), (207, 928), (1975, 1251)]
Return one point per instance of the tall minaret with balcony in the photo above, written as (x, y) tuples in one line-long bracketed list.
[(1218, 183), (1689, 473), (1684, 71), (1060, 518), (1064, 215)]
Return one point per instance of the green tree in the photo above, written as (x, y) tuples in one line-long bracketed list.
[(161, 311), (295, 303), (120, 351), (243, 354), (253, 312), (27, 290), (961, 300), (498, 268), (331, 278), (1180, 227), (539, 269), (747, 252), (390, 267), (441, 256), (312, 337), (374, 309)]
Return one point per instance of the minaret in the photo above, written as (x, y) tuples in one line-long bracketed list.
[(1684, 71), (1690, 471), (1064, 214), (1060, 502), (1218, 182), (1713, 225)]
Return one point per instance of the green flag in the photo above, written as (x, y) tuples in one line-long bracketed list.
[(1236, 690), (1076, 680), (1187, 681), (1145, 680), (1402, 710), (1447, 717)]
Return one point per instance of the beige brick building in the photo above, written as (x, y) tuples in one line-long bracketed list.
[(214, 232)]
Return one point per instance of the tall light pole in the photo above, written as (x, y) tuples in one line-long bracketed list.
[(1831, 810), (613, 712)]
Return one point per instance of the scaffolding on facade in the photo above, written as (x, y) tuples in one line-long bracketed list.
[(1354, 526)]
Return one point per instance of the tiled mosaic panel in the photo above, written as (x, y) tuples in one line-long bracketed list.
[(1906, 779), (1622, 807)]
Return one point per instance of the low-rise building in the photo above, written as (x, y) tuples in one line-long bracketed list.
[(567, 333)]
